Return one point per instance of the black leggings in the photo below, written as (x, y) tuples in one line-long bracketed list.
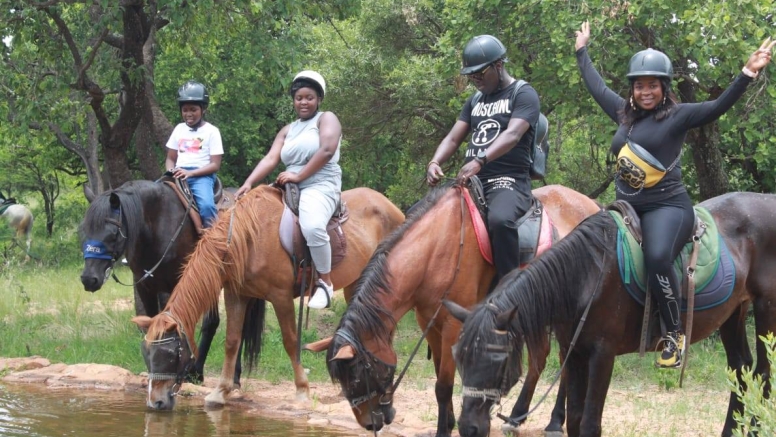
[(666, 228), (508, 199)]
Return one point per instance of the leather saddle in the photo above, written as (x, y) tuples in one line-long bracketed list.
[(293, 241), (529, 226), (224, 199)]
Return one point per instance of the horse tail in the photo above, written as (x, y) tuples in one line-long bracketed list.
[(253, 328)]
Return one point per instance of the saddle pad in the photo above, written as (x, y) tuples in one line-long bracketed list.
[(539, 245), (714, 275)]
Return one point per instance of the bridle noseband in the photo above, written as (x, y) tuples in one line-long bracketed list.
[(374, 368), (169, 346)]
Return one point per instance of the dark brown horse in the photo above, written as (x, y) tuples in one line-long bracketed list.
[(433, 256), (243, 254), (555, 290), (146, 222)]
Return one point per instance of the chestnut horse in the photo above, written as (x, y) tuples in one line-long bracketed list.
[(433, 256), (243, 254), (578, 283)]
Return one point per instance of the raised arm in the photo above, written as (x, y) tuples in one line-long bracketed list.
[(607, 99)]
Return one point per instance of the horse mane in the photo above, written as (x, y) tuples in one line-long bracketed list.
[(220, 258), (130, 195), (365, 308), (548, 289)]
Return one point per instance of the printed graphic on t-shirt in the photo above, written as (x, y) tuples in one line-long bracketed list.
[(189, 145), (485, 132)]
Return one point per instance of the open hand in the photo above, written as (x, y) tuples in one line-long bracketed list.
[(761, 57), (583, 35)]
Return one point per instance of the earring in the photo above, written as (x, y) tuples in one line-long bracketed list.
[(631, 103), (664, 99)]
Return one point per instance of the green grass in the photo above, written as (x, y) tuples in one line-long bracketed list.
[(46, 312)]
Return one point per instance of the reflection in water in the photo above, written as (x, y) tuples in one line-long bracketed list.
[(34, 411)]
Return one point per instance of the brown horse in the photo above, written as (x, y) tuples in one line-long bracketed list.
[(433, 256), (578, 283), (243, 254)]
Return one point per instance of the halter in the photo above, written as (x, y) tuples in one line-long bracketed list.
[(175, 347)]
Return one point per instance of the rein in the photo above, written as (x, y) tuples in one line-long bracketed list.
[(582, 320), (149, 273)]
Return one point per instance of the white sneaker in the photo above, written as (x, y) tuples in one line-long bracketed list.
[(322, 297)]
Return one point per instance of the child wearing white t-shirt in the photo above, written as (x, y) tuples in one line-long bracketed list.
[(194, 149)]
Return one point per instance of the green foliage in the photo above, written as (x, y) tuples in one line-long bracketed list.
[(759, 415)]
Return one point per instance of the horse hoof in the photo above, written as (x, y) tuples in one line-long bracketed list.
[(214, 400), (509, 429), (553, 434)]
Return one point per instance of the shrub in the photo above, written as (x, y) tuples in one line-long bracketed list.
[(759, 415)]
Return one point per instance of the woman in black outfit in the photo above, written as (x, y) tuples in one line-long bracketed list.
[(653, 118)]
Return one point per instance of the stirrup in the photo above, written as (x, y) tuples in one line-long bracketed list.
[(320, 285), (677, 353)]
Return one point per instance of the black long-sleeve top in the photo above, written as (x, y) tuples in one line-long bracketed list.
[(664, 138)]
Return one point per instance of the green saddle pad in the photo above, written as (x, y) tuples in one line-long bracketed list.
[(633, 270)]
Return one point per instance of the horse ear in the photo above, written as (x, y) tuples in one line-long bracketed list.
[(142, 322), (346, 352), (456, 310), (504, 319), (115, 203), (318, 346), (88, 193)]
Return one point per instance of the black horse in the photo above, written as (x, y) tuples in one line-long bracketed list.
[(578, 282), (146, 222)]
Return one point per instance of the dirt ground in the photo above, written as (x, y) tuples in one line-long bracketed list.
[(689, 411)]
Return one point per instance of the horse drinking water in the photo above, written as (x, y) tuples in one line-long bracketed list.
[(576, 288), (434, 255), (244, 254)]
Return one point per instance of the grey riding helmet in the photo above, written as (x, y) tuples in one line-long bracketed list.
[(650, 62), (480, 52), (193, 92)]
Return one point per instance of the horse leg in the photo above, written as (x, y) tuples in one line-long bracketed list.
[(577, 387), (599, 374), (733, 335), (441, 351), (235, 316), (558, 416), (206, 333), (284, 310), (535, 367)]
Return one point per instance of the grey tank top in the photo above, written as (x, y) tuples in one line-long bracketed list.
[(302, 141)]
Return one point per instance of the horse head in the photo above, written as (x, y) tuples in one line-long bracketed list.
[(488, 356), (366, 377), (104, 240), (168, 356)]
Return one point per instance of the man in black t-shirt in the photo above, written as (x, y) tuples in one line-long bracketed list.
[(499, 122)]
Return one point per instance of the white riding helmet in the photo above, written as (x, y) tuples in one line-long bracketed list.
[(315, 77)]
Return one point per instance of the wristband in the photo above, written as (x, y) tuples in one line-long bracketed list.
[(750, 73), (432, 162)]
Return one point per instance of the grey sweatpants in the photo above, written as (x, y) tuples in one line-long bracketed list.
[(316, 206)]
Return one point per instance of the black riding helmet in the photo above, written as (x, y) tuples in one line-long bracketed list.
[(193, 92), (480, 52), (650, 62)]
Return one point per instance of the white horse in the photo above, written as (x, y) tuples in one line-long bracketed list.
[(20, 218)]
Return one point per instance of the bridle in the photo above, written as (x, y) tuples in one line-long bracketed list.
[(373, 368), (493, 394), (97, 250), (165, 348), (113, 256)]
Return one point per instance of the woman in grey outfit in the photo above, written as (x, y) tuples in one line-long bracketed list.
[(309, 148)]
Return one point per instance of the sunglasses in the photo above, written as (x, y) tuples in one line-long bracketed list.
[(478, 75)]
